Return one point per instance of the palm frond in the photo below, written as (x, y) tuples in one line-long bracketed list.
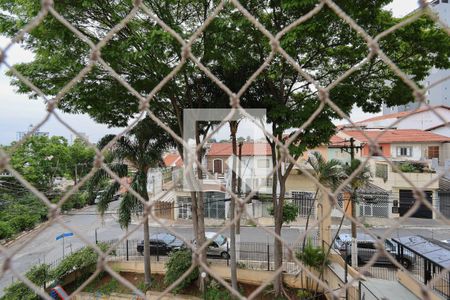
[(107, 197)]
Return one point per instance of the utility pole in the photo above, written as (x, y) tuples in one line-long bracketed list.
[(354, 247), (350, 149), (239, 190), (239, 168)]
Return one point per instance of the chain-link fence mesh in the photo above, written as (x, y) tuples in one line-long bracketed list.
[(187, 56)]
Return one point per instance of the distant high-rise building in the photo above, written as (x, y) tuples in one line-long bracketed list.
[(21, 134), (438, 94)]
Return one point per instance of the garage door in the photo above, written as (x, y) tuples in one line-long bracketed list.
[(407, 200)]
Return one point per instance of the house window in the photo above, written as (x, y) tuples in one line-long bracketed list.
[(433, 152), (269, 181), (263, 163), (184, 208), (404, 151)]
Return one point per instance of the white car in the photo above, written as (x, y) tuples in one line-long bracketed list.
[(219, 245)]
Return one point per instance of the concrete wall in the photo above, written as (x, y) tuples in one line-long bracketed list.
[(299, 182), (245, 276)]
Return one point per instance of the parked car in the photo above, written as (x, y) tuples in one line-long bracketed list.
[(162, 243), (367, 249), (219, 245), (100, 193)]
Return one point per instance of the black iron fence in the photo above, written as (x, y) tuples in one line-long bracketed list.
[(260, 256)]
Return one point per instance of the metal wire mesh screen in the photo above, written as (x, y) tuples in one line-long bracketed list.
[(143, 104)]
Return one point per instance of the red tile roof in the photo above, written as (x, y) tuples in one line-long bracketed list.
[(172, 160), (337, 141), (397, 136), (248, 149), (400, 114)]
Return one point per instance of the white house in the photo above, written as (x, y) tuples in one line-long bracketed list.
[(421, 119)]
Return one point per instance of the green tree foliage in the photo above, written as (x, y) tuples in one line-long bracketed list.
[(81, 159), (141, 148), (40, 159), (179, 262), (324, 46), (19, 213), (290, 212), (39, 275)]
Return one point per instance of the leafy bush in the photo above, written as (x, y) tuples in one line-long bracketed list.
[(179, 262), (83, 259), (408, 168), (38, 274), (215, 291), (6, 230), (24, 222), (290, 212), (312, 256)]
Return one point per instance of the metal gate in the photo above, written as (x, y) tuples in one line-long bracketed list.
[(304, 202), (444, 203), (374, 205), (407, 200)]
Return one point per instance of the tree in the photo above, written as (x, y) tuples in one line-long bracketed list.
[(81, 159), (290, 212), (142, 148), (358, 180), (328, 173), (143, 53), (40, 159)]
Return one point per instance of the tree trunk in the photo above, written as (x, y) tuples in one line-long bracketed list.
[(200, 233), (233, 130), (278, 215), (313, 204), (278, 246), (354, 233), (147, 268), (143, 192)]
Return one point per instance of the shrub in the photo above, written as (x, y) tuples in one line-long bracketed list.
[(290, 212), (39, 275), (6, 230), (179, 262), (216, 291), (24, 222), (83, 259), (312, 256)]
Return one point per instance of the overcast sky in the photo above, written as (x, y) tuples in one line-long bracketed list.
[(18, 112)]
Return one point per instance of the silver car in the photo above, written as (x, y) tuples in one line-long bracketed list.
[(367, 249), (219, 245)]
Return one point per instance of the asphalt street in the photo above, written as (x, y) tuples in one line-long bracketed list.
[(41, 246)]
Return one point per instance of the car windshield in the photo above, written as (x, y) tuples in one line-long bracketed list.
[(220, 240), (167, 238)]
